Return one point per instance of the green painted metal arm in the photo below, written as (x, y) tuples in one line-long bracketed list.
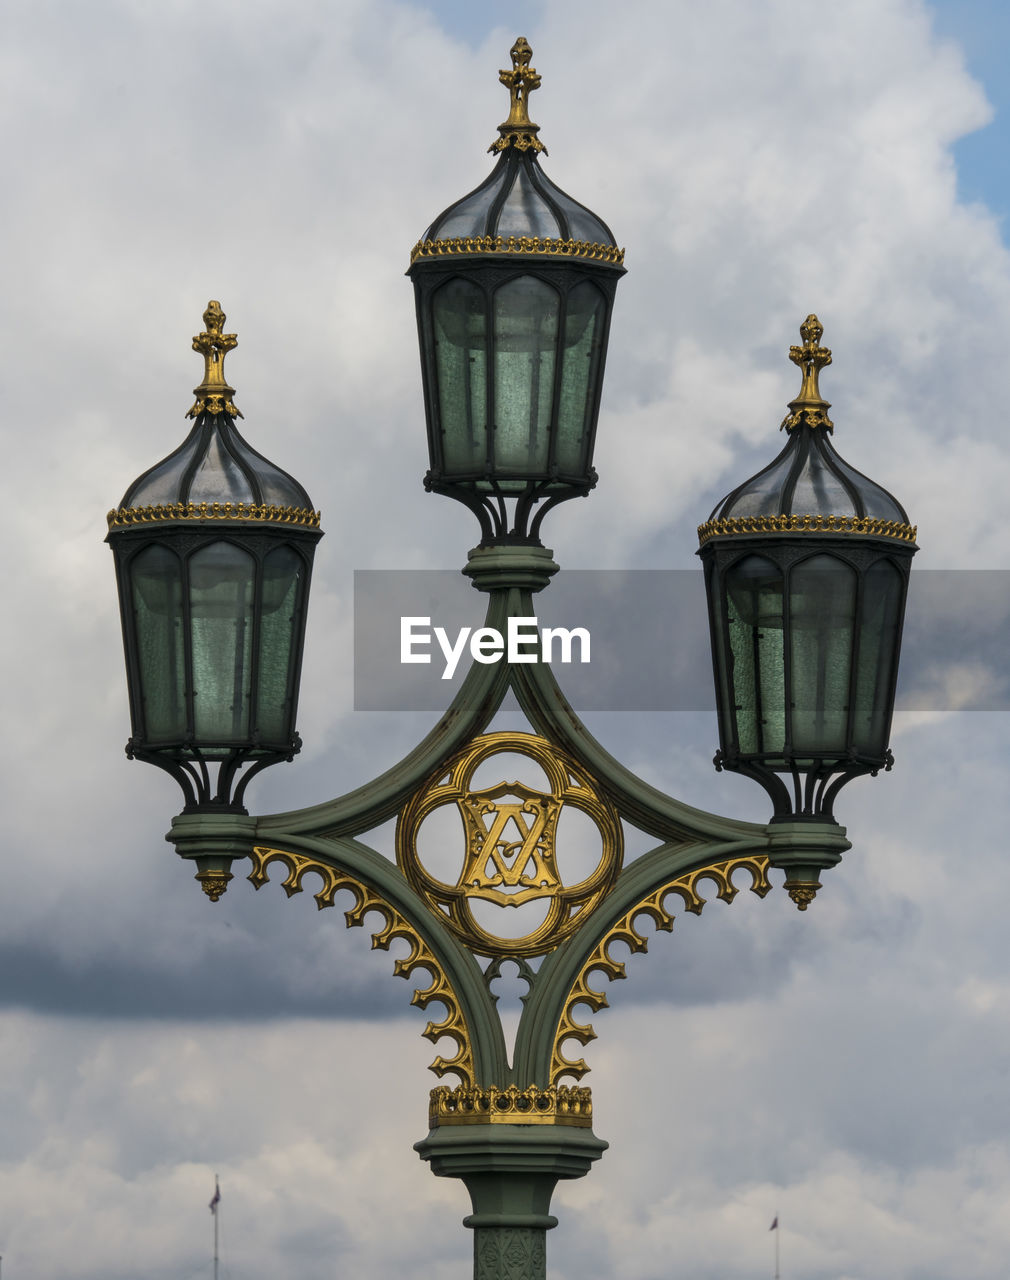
[(640, 803), (384, 878), (479, 698), (639, 883)]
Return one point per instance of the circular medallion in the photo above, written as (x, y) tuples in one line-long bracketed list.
[(508, 854)]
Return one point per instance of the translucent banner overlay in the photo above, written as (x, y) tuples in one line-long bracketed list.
[(649, 642)]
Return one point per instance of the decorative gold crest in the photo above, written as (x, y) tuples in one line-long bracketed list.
[(509, 853), (214, 395), (558, 1105)]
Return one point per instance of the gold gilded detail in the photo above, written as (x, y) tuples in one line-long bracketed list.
[(421, 956), (544, 246), (519, 131), (559, 1105), (801, 892), (214, 395), (247, 511), (867, 525), (509, 856), (213, 883), (808, 409), (624, 931)]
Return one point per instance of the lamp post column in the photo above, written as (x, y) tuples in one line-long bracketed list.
[(510, 1172)]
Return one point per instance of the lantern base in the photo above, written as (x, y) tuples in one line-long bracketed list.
[(191, 768), (815, 782)]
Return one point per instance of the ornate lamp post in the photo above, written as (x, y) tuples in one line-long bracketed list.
[(514, 285)]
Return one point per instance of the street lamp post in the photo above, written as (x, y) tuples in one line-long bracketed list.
[(806, 568)]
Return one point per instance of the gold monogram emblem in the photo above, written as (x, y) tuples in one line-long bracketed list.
[(509, 854)]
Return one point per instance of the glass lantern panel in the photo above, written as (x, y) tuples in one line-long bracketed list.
[(525, 341), (879, 624), (460, 323), (717, 627), (219, 478), (221, 593), (818, 491), (822, 608), (877, 502), (284, 573), (525, 213), (583, 224), (580, 372), (762, 494), (754, 616), (156, 591)]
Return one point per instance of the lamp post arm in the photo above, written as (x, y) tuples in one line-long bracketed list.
[(367, 806), (640, 803), (379, 886), (641, 890)]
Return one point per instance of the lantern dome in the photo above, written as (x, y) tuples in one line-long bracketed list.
[(809, 486), (517, 209), (214, 472)]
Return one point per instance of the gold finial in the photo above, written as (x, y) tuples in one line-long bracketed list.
[(214, 395), (519, 131), (808, 407)]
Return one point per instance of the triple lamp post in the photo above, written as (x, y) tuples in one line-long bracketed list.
[(806, 567)]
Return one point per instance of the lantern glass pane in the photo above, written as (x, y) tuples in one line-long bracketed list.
[(822, 608), (460, 323), (219, 478), (717, 627), (284, 574), (883, 593), (754, 615), (524, 212), (580, 371), (525, 340), (156, 589), (221, 594)]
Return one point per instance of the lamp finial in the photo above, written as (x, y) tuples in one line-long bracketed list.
[(519, 131), (214, 395), (808, 407)]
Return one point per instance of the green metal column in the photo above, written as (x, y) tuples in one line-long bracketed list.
[(510, 1172)]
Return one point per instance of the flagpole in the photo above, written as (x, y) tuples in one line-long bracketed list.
[(215, 1205)]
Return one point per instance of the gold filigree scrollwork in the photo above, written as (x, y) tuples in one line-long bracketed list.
[(568, 1105), (809, 409), (421, 956), (686, 886), (519, 131), (866, 525), (214, 395), (508, 855), (542, 246), (248, 512)]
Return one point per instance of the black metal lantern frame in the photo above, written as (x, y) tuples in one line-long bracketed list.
[(806, 635), (213, 617), (512, 357)]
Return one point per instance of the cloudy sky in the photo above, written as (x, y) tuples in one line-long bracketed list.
[(847, 1069)]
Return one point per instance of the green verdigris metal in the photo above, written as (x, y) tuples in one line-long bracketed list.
[(509, 1169)]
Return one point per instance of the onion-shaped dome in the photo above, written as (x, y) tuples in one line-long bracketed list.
[(809, 486), (517, 209), (214, 472)]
